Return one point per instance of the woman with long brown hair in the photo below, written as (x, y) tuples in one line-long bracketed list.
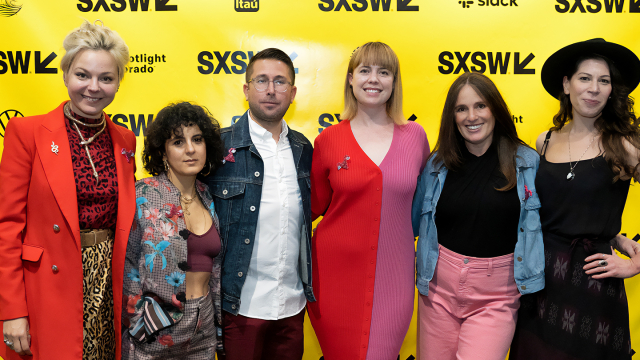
[(587, 160), (487, 249)]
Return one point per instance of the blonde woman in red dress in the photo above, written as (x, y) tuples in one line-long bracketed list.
[(363, 179)]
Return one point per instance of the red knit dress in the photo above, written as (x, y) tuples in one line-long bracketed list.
[(363, 249)]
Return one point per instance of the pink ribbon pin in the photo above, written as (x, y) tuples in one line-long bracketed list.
[(229, 157)]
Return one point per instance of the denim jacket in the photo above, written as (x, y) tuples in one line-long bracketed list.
[(237, 189), (529, 252)]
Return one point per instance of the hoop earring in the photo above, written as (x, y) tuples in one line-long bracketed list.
[(208, 172)]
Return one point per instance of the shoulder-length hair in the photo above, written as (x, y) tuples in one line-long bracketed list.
[(375, 53), (616, 122), (168, 123), (95, 37), (505, 136)]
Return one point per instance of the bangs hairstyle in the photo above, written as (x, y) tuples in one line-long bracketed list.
[(168, 123), (617, 120), (95, 37), (505, 136), (380, 54)]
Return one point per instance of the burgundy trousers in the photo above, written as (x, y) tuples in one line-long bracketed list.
[(255, 339)]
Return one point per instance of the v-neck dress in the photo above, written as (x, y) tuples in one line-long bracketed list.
[(363, 249)]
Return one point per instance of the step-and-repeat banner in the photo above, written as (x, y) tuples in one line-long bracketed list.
[(198, 51)]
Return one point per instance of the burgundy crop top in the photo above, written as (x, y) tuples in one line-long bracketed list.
[(201, 249)]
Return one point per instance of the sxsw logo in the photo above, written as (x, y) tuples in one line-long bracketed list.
[(5, 116), (121, 5), (247, 5), (239, 61), (325, 120), (467, 4), (9, 8), (595, 6), (136, 124), (496, 63), (362, 5), (18, 62)]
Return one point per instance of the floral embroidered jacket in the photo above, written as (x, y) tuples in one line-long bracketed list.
[(156, 258)]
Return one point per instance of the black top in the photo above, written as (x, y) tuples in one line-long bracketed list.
[(589, 206), (472, 217)]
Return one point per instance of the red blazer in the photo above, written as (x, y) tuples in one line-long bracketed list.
[(39, 229)]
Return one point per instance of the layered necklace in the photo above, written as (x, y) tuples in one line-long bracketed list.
[(75, 122), (186, 202), (571, 175)]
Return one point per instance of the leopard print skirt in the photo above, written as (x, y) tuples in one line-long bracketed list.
[(99, 342)]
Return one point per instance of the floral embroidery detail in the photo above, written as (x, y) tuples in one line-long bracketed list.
[(553, 313), (167, 230), (175, 278), (158, 249), (602, 334), (134, 303), (527, 193), (151, 181), (134, 275), (595, 283), (139, 202), (174, 212), (344, 164), (541, 309), (148, 233), (152, 215), (166, 340), (585, 329), (128, 154), (230, 157), (560, 268), (568, 321), (577, 274)]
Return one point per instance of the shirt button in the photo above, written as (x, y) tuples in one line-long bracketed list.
[(521, 230), (519, 258), (56, 228), (523, 287), (247, 241), (233, 307), (252, 208), (54, 268), (225, 192), (240, 274), (257, 174), (466, 261)]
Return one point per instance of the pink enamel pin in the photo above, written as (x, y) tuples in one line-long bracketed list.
[(230, 157), (344, 164)]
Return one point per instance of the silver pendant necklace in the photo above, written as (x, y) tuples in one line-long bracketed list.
[(571, 175)]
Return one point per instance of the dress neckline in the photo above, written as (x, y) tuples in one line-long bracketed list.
[(386, 156)]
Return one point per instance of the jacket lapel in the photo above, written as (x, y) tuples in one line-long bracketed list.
[(52, 135)]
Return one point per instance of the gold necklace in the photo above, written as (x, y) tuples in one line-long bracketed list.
[(186, 202), (75, 122)]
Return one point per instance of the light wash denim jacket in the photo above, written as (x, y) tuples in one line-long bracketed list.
[(529, 251)]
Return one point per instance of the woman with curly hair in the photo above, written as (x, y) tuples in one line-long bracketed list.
[(174, 255), (67, 185), (587, 161)]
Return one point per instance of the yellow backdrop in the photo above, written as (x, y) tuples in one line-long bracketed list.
[(198, 50)]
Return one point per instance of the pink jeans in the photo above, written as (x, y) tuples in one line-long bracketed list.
[(471, 310)]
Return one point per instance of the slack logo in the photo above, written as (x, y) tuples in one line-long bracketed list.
[(18, 62), (467, 4), (496, 63), (246, 5), (595, 6)]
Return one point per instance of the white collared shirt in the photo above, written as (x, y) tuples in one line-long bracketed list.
[(273, 289)]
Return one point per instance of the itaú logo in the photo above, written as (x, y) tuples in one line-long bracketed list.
[(247, 5)]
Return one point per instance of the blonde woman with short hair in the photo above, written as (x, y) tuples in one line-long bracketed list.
[(67, 190)]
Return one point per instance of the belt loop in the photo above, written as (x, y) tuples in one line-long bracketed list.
[(490, 269)]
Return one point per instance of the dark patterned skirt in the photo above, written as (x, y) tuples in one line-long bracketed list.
[(573, 317), (99, 342)]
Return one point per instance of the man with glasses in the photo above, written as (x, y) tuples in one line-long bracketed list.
[(262, 197)]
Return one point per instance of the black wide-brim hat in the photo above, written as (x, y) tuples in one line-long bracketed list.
[(561, 62)]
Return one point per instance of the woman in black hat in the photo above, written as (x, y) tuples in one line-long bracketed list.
[(587, 160)]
